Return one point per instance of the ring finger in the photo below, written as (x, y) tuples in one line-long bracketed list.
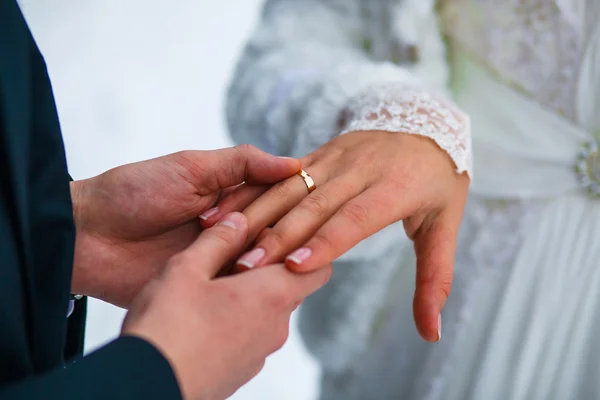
[(299, 224), (275, 203)]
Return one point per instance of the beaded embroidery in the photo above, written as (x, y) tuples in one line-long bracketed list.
[(535, 45)]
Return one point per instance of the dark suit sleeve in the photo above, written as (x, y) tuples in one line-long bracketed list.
[(76, 327), (128, 368), (76, 330)]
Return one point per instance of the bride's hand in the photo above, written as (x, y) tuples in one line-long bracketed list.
[(365, 182)]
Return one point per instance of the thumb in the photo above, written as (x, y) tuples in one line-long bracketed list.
[(435, 249), (220, 169), (218, 245), (264, 168)]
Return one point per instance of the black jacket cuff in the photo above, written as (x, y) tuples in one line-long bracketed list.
[(128, 368)]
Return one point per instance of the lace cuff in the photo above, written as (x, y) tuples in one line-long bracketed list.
[(409, 109)]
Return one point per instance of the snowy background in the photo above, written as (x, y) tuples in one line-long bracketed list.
[(137, 79)]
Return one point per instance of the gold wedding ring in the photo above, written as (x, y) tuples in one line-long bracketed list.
[(310, 183)]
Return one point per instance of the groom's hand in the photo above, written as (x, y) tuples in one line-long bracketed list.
[(216, 333), (133, 218)]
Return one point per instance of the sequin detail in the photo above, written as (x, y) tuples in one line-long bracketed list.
[(534, 45), (588, 168)]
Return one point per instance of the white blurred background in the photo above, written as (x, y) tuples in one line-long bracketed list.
[(137, 79)]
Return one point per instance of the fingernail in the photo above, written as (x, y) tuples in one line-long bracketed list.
[(439, 328), (286, 158), (234, 221), (250, 259), (300, 255), (209, 213)]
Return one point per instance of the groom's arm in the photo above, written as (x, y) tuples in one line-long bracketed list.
[(76, 326), (128, 368)]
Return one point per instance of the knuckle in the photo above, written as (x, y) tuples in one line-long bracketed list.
[(275, 239), (187, 156), (399, 182), (190, 167), (281, 336), (352, 186), (233, 296), (275, 242), (177, 261), (425, 280), (315, 204), (446, 287), (245, 148), (435, 284), (264, 234), (259, 367), (242, 154), (180, 271), (364, 162), (332, 151), (401, 176), (355, 213), (185, 159), (327, 274), (279, 294), (223, 235), (414, 225), (322, 241), (277, 298), (182, 155), (281, 191)]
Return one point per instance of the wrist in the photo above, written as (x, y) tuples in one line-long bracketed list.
[(78, 190)]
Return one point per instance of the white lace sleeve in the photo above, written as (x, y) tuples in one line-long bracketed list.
[(308, 58), (409, 109)]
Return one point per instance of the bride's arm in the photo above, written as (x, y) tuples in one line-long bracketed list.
[(314, 69)]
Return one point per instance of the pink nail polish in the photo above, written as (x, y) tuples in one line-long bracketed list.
[(300, 255), (439, 327), (250, 259), (209, 213)]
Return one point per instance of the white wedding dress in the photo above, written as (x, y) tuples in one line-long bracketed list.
[(520, 323)]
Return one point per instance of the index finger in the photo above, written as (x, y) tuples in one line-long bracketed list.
[(279, 281)]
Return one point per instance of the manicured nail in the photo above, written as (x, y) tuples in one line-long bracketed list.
[(234, 221), (300, 255), (209, 213), (439, 328), (250, 259)]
